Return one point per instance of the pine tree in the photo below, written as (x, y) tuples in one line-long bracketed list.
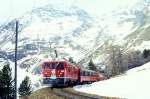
[(71, 60), (146, 53), (6, 83), (92, 65), (25, 87), (1, 87)]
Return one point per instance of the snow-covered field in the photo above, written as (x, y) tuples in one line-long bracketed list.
[(134, 84)]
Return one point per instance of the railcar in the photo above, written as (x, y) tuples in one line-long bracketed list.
[(89, 76), (58, 73)]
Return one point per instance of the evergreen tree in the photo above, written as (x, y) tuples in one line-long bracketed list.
[(146, 53), (6, 83), (71, 60), (1, 87), (25, 87), (92, 65)]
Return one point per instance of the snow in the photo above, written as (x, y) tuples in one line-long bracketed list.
[(143, 45), (134, 84), (56, 27), (84, 31), (21, 73)]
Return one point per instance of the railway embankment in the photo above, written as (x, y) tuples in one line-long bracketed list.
[(63, 93)]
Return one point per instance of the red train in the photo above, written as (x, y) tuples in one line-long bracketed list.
[(60, 73)]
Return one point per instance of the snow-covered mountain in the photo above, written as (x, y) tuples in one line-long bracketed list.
[(75, 32), (47, 26)]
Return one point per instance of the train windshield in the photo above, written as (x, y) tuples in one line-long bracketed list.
[(49, 65), (60, 66)]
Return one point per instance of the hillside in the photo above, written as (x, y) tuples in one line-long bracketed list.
[(63, 93), (134, 84), (75, 31)]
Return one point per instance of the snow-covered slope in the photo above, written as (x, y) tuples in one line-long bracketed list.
[(45, 26), (79, 31), (134, 84)]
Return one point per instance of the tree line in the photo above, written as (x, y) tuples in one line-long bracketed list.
[(120, 61)]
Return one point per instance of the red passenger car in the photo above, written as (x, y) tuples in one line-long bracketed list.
[(89, 76), (59, 73)]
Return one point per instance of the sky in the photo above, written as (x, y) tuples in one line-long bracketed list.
[(10, 9)]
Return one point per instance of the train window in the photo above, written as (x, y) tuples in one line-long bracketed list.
[(46, 65), (86, 73), (90, 74), (83, 73), (49, 65), (60, 66), (53, 65)]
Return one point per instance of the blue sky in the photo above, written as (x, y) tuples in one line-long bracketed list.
[(10, 9)]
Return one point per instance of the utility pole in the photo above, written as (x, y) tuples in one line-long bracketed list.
[(50, 49), (16, 44), (56, 53)]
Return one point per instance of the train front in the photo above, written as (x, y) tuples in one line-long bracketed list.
[(53, 73)]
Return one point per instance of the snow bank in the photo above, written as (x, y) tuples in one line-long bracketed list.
[(134, 84)]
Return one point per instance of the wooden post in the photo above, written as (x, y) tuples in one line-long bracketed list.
[(16, 44)]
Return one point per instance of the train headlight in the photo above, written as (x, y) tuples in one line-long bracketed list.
[(61, 74)]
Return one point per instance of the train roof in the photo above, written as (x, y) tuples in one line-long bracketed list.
[(52, 61), (88, 70)]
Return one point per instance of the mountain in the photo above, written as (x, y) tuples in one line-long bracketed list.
[(74, 32), (44, 26)]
